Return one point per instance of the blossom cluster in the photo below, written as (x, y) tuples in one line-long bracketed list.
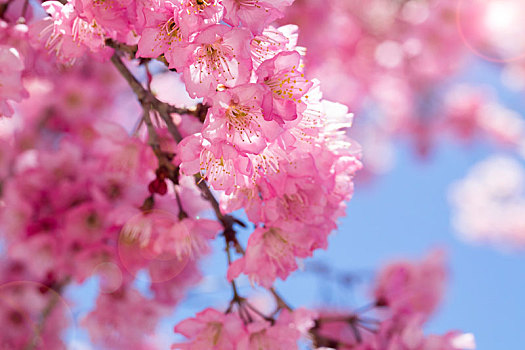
[(88, 191), (404, 294)]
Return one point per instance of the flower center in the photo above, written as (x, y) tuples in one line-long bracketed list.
[(284, 84), (213, 59), (197, 6), (171, 30), (277, 247), (243, 120)]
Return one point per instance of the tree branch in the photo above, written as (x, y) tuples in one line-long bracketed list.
[(131, 50), (46, 312), (146, 97), (149, 101)]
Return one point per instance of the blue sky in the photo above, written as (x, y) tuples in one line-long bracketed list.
[(406, 213)]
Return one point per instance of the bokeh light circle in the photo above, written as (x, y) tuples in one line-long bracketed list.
[(110, 277), (493, 29), (34, 316), (137, 250)]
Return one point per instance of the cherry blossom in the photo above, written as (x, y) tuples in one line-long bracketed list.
[(11, 87), (217, 55), (254, 14), (210, 329), (407, 288)]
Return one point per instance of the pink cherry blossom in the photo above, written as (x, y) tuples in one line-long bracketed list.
[(210, 329), (273, 41), (11, 86), (286, 85), (109, 323), (408, 288), (262, 335), (162, 30), (271, 253), (236, 117), (254, 14), (70, 35), (217, 55)]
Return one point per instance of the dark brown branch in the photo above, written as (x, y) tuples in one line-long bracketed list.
[(163, 158), (145, 97), (164, 113), (353, 320), (236, 298), (182, 213), (131, 50), (281, 304)]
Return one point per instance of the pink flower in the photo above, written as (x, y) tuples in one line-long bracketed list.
[(173, 291), (160, 233), (69, 34), (286, 85), (220, 163), (408, 288), (109, 323), (199, 14), (11, 86), (187, 237), (114, 17), (22, 303), (42, 250), (85, 222), (162, 31), (410, 336), (210, 330), (488, 203), (254, 14), (218, 55), (282, 335), (273, 41), (272, 253), (237, 118)]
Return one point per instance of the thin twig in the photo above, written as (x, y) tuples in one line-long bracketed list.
[(24, 8), (259, 313), (182, 213), (236, 298), (131, 50), (153, 141), (146, 97), (356, 332), (280, 301), (46, 312)]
